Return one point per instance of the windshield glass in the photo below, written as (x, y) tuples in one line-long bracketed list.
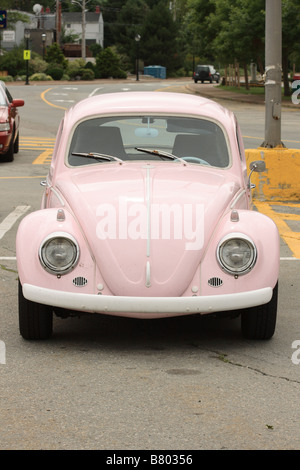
[(149, 137)]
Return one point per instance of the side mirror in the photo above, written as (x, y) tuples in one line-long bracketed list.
[(257, 166), (17, 103)]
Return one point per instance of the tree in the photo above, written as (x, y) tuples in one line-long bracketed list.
[(108, 65), (129, 23), (54, 55), (290, 38), (158, 39), (240, 37)]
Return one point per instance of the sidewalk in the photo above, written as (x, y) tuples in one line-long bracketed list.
[(217, 92)]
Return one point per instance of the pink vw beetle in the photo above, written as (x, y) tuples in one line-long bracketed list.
[(146, 214)]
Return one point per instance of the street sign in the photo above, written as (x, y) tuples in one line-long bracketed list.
[(9, 36), (26, 55), (3, 16)]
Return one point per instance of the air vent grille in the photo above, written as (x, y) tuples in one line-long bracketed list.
[(80, 281), (215, 282)]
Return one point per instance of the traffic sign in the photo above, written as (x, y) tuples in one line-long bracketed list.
[(26, 55), (3, 17)]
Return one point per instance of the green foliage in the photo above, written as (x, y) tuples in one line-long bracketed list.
[(13, 62), (108, 65), (37, 64), (95, 49), (158, 39), (39, 77), (7, 78), (54, 55), (55, 71)]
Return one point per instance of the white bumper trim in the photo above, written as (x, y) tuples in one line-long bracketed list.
[(146, 307)]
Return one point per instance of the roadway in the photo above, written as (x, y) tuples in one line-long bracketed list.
[(109, 383)]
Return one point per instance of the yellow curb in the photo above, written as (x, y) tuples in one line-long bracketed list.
[(281, 180)]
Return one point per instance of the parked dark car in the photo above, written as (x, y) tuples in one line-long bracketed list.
[(206, 73), (9, 124)]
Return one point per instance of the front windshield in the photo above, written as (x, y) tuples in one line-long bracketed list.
[(149, 137)]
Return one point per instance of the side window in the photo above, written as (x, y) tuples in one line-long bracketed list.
[(9, 97)]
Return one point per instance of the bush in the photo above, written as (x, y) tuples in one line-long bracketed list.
[(54, 55), (14, 62), (7, 78), (108, 65), (39, 77), (37, 64), (55, 71), (87, 74)]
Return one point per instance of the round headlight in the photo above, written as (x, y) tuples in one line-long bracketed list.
[(59, 253), (236, 254)]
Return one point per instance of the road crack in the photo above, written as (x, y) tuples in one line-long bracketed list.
[(223, 357)]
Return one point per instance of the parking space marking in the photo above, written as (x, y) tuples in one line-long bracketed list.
[(44, 157), (289, 236), (9, 221), (34, 143)]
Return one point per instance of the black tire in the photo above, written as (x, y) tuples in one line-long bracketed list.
[(260, 322), (35, 320), (9, 156), (16, 144)]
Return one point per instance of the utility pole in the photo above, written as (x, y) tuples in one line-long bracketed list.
[(82, 4), (273, 91), (83, 51)]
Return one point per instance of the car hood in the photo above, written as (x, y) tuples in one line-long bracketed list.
[(148, 225)]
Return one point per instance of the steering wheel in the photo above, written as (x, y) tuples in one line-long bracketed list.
[(195, 160)]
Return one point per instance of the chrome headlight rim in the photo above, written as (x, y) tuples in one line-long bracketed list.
[(246, 267), (50, 267)]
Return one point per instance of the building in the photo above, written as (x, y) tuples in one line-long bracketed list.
[(94, 31), (43, 26)]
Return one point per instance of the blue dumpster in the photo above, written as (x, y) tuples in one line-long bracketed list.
[(156, 71)]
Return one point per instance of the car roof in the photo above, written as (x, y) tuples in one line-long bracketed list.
[(145, 103)]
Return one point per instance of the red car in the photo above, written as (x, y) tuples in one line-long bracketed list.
[(9, 124)]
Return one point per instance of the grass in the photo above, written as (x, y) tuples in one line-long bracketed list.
[(253, 90)]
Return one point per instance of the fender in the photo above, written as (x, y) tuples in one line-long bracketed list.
[(28, 242), (264, 234)]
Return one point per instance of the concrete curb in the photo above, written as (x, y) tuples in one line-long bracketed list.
[(280, 181)]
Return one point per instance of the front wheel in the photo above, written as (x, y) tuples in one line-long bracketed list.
[(16, 144), (9, 156), (35, 320), (260, 322)]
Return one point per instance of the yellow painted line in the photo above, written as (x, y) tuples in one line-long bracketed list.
[(291, 238), (20, 177), (48, 102), (44, 157), (262, 138)]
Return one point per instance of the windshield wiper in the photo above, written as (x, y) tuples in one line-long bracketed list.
[(97, 156), (161, 153)]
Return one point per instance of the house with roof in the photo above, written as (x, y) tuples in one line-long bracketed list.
[(94, 28), (44, 32)]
